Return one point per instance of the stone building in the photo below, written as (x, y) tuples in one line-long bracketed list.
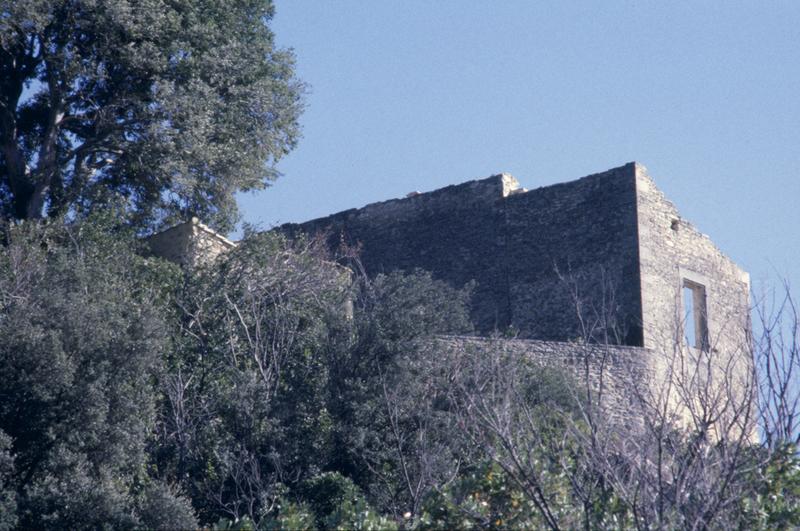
[(605, 260), (189, 244), (606, 255)]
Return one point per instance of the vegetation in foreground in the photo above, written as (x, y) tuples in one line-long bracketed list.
[(242, 396)]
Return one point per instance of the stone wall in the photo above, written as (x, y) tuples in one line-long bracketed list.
[(457, 233), (516, 245), (605, 254), (630, 383), (189, 244), (574, 246), (614, 374), (673, 251)]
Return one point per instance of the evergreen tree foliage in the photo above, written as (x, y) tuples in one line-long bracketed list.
[(392, 431), (173, 106), (8, 495), (164, 508), (83, 340), (245, 408), (482, 498)]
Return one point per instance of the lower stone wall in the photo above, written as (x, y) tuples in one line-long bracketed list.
[(612, 373)]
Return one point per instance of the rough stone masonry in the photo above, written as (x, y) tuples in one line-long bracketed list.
[(605, 254)]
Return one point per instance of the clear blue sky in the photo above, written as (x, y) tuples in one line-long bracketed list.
[(416, 95)]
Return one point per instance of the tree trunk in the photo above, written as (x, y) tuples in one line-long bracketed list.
[(47, 162), (17, 171), (19, 182)]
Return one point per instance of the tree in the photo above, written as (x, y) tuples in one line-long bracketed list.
[(8, 496), (289, 365), (82, 322), (483, 497), (244, 410), (172, 105), (393, 433)]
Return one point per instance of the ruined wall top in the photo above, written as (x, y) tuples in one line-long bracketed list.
[(189, 244)]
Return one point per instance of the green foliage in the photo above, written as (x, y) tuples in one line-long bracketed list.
[(483, 498), (83, 340), (271, 383), (775, 501), (148, 99), (241, 395), (327, 494), (239, 524), (161, 507), (387, 393), (330, 501), (326, 501), (8, 496), (397, 308), (245, 405), (292, 517)]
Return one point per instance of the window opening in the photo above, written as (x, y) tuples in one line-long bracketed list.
[(695, 328)]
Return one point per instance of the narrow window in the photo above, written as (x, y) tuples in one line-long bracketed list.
[(695, 328)]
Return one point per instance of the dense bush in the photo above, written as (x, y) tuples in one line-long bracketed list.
[(276, 389), (8, 501), (83, 341)]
